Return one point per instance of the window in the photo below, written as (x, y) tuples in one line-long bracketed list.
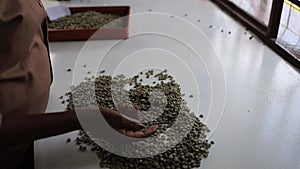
[(273, 21)]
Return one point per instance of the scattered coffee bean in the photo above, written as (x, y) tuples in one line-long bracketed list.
[(186, 154), (68, 140)]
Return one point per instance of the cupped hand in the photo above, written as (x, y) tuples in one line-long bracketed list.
[(126, 121)]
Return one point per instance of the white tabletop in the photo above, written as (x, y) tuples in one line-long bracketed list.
[(249, 95)]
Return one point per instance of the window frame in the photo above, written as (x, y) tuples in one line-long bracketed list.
[(267, 33)]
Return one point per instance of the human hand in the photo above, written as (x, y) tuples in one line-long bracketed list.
[(126, 121)]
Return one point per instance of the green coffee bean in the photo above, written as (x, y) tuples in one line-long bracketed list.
[(88, 20), (68, 140), (186, 154)]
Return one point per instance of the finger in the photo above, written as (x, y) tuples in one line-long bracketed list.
[(151, 130), (122, 131), (124, 109), (129, 111), (133, 113), (139, 134), (129, 133), (130, 124)]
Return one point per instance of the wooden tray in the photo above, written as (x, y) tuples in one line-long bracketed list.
[(85, 34)]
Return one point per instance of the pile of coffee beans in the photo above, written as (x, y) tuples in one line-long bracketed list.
[(86, 20), (160, 103)]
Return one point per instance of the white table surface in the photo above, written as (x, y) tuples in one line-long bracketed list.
[(259, 125)]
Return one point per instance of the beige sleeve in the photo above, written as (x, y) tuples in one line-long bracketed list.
[(1, 118)]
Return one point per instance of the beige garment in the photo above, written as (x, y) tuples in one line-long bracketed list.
[(25, 71)]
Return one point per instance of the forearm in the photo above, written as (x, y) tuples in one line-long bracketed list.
[(23, 128)]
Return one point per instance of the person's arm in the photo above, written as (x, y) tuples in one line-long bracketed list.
[(22, 128)]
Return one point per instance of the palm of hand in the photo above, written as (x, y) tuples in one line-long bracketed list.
[(126, 121)]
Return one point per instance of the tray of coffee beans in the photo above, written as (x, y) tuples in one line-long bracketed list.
[(84, 23)]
